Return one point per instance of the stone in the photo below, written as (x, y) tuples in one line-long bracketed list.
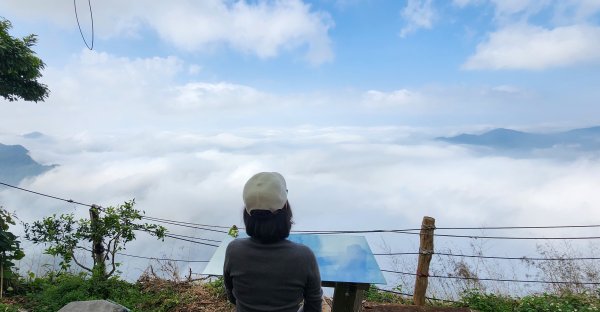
[(93, 306)]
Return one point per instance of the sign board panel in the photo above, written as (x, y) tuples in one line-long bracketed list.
[(341, 258)]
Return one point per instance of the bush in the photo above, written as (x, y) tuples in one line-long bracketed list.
[(375, 295), (53, 291), (488, 302), (8, 308), (533, 303), (217, 288), (553, 303)]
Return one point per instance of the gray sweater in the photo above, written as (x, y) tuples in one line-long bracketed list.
[(271, 277)]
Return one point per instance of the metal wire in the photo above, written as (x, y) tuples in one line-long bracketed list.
[(494, 279), (79, 26)]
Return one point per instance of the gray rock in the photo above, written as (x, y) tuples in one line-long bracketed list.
[(93, 306)]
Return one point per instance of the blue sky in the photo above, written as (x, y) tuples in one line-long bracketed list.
[(366, 44), (180, 102), (527, 57)]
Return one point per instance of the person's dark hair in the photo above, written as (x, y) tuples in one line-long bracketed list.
[(269, 227)]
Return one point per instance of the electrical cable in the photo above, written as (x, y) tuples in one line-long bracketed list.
[(46, 195), (184, 236), (524, 258), (79, 26), (161, 259), (519, 227), (191, 223), (493, 279), (189, 240), (182, 225), (411, 295), (512, 237), (197, 238), (404, 231)]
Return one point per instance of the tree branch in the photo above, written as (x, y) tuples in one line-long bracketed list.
[(112, 252), (81, 265)]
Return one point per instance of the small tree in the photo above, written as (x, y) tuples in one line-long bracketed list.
[(10, 249), (108, 234), (19, 67)]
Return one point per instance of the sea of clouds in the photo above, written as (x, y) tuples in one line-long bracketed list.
[(339, 178)]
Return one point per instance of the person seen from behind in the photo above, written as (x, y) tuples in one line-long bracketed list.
[(266, 271)]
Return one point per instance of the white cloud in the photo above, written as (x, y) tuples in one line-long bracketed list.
[(264, 28), (222, 96), (532, 47), (464, 3), (575, 11), (536, 35), (373, 176), (506, 89), (402, 97), (417, 14), (194, 69), (509, 10), (102, 93)]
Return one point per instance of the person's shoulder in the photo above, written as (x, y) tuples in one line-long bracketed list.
[(237, 243), (301, 248), (240, 241)]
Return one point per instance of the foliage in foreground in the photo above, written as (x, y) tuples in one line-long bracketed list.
[(53, 291), (20, 68), (532, 303), (373, 294), (477, 300), (10, 246), (110, 232), (8, 308)]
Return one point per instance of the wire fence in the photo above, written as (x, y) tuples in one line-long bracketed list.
[(222, 229)]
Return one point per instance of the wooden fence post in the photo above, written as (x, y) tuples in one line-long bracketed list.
[(98, 250), (425, 252)]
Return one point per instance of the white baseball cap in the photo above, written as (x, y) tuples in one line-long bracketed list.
[(265, 191)]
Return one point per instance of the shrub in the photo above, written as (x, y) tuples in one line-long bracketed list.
[(217, 288), (53, 291), (8, 308), (488, 302), (533, 303), (375, 295), (554, 303)]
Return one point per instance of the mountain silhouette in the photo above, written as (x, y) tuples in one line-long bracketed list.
[(500, 138), (16, 164)]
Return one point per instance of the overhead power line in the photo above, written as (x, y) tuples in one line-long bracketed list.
[(190, 240), (161, 259), (519, 227), (513, 237), (411, 295), (206, 227), (195, 238), (184, 236), (177, 223), (46, 195), (523, 258), (408, 232), (494, 279), (79, 26), (188, 223)]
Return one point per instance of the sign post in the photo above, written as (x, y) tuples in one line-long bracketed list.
[(347, 296), (346, 263)]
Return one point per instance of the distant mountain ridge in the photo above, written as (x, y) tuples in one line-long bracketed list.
[(16, 164), (500, 138)]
